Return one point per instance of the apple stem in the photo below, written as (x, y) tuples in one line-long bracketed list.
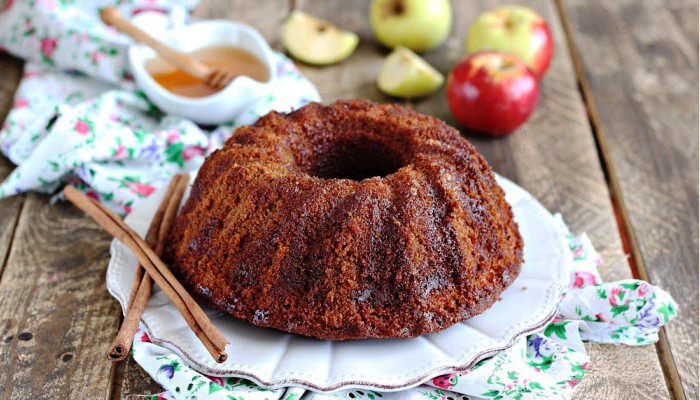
[(506, 65), (398, 7)]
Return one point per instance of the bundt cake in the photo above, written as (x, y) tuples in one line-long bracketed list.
[(353, 220)]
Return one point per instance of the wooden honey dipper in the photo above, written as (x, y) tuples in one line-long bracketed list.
[(214, 77)]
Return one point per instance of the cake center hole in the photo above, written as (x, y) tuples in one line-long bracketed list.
[(357, 160)]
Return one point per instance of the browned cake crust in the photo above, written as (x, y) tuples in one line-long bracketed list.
[(353, 220)]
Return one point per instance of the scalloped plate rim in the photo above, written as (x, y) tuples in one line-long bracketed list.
[(557, 282)]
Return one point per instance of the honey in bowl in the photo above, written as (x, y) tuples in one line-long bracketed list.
[(227, 58)]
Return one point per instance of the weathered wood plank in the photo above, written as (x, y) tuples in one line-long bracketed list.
[(9, 208), (640, 63), (73, 368), (553, 155), (57, 317), (132, 381)]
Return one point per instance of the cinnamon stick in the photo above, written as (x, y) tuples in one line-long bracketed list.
[(125, 337), (142, 286), (190, 310), (153, 234)]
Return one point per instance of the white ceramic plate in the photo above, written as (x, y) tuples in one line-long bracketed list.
[(276, 359)]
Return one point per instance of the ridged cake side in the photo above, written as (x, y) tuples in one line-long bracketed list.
[(272, 235)]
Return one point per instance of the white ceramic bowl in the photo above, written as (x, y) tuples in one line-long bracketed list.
[(224, 105)]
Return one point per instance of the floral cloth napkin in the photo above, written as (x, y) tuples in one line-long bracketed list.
[(544, 365), (79, 119)]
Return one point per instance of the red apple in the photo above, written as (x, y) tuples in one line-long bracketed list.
[(513, 29), (492, 92)]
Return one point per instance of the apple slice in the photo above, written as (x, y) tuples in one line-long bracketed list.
[(314, 41), (406, 75)]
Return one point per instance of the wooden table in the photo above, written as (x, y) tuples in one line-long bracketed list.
[(613, 146)]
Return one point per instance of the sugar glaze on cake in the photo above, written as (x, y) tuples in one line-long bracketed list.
[(348, 221)]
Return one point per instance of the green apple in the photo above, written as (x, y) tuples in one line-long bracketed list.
[(417, 24), (314, 41), (406, 75), (513, 29)]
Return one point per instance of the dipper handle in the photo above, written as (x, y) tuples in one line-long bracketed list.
[(112, 17)]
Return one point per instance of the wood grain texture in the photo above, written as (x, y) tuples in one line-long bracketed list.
[(131, 381), (9, 208), (55, 313), (642, 75), (553, 156)]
